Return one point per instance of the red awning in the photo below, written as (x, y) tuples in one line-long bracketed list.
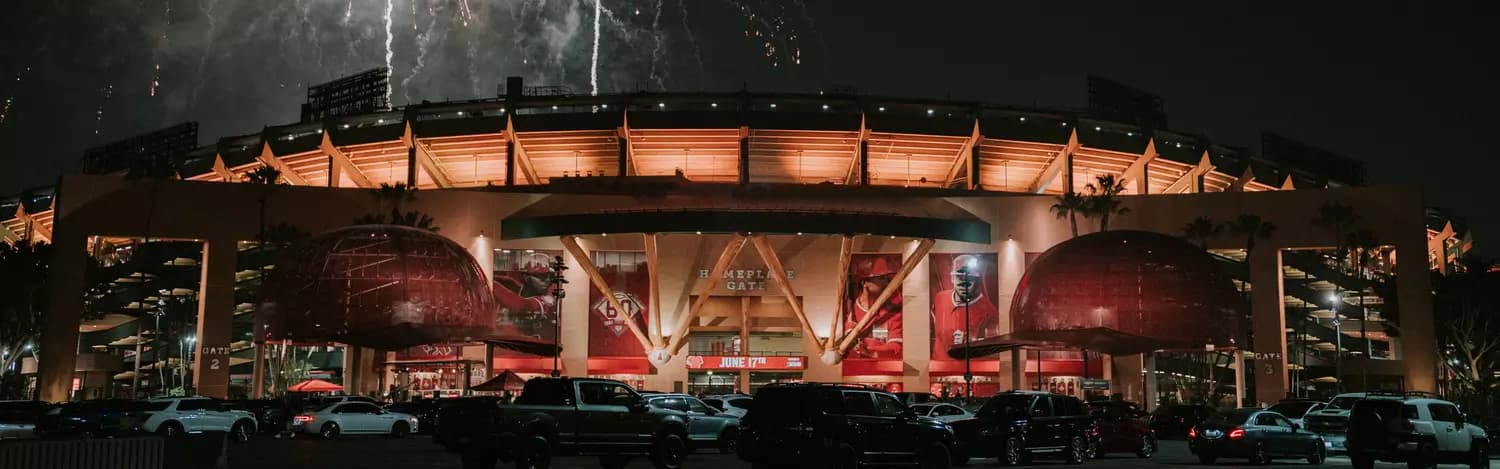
[(505, 381), (315, 385)]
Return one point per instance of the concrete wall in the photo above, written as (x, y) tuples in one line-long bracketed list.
[(221, 214)]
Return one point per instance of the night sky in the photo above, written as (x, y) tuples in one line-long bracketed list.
[(1398, 87)]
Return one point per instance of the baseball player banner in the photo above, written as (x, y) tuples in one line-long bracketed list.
[(950, 302), (626, 274), (869, 273), (523, 294)]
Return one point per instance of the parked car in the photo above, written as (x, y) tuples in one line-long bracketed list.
[(1016, 426), (1255, 434), (354, 418), (1332, 421), (1173, 421), (1122, 428), (1420, 431), (733, 405), (426, 411), (18, 418), (843, 426), (707, 427), (1296, 409), (567, 415), (92, 419), (941, 411), (320, 401), (453, 426), (267, 412), (172, 416)]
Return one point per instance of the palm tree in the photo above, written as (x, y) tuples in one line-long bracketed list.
[(1103, 199), (395, 195), (156, 174), (1068, 206), (1201, 229), (1364, 244)]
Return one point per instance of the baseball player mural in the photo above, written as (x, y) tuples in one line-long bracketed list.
[(868, 276), (948, 303), (527, 307)]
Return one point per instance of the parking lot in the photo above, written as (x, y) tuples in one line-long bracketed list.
[(420, 452)]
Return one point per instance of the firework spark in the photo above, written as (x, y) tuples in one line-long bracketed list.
[(390, 53)]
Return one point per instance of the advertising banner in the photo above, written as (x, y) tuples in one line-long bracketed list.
[(523, 295), (948, 305), (732, 362), (869, 273), (626, 274)]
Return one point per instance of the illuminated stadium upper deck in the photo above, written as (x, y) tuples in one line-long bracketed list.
[(744, 138)]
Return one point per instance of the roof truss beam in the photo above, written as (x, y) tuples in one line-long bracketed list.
[(1135, 175), (1188, 181), (426, 161), (587, 264), (268, 158), (222, 170), (852, 175), (1244, 180), (685, 320), (1056, 167), (523, 162), (345, 166), (778, 273), (868, 321), (962, 159)]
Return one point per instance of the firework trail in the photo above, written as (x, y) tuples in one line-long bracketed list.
[(348, 12), (155, 79), (208, 45), (692, 41), (107, 92), (464, 12), (9, 100), (656, 51), (390, 53), (594, 60), (424, 42)]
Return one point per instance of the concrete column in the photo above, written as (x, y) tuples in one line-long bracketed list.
[(575, 317), (59, 344), (1418, 344), (351, 368), (1268, 317), (1239, 378), (1126, 376), (1016, 373), (916, 324), (1148, 384), (215, 318), (258, 372)]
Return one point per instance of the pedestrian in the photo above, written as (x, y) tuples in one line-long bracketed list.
[(291, 405)]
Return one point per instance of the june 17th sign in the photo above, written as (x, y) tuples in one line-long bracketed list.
[(732, 362)]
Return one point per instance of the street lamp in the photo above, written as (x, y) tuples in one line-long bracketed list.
[(1338, 346), (557, 281), (965, 285)]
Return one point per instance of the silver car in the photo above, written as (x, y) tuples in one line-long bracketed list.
[(707, 427)]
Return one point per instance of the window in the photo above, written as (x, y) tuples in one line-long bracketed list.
[(1042, 407), (695, 406), (715, 403), (888, 406), (156, 406), (1265, 420), (858, 403), (743, 403), (598, 393), (1067, 406), (357, 408), (673, 403), (831, 402), (945, 410), (545, 392), (1444, 413)]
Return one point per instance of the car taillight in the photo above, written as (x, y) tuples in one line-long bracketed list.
[(1236, 433), (302, 418), (1193, 432)]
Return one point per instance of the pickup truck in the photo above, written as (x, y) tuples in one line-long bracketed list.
[(564, 416)]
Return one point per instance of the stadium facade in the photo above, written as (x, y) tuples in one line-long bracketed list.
[(723, 241)]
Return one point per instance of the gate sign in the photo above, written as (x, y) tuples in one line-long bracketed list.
[(730, 362), (1088, 383)]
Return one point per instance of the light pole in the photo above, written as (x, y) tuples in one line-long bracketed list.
[(1338, 343), (965, 287), (556, 279)]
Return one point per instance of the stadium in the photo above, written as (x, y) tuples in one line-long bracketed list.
[(719, 242)]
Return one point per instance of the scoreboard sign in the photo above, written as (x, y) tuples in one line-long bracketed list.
[(731, 362)]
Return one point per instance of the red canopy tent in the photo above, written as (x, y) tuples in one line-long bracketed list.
[(315, 385), (505, 381)]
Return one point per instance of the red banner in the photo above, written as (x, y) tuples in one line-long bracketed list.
[(431, 352), (869, 273), (625, 272), (527, 307), (731, 362), (948, 306)]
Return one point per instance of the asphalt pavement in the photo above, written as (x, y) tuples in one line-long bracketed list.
[(419, 452)]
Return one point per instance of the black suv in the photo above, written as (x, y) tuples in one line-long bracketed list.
[(1015, 426), (832, 425)]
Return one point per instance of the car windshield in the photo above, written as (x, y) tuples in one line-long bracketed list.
[(1013, 406), (1232, 417), (922, 409), (1292, 409), (1345, 403)]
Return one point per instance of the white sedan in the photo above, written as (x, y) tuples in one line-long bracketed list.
[(940, 411), (354, 418), (732, 405)]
